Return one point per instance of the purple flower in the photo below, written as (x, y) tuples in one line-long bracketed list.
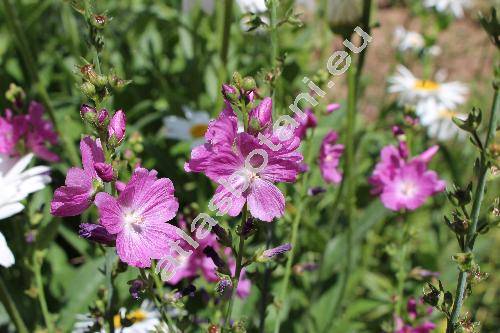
[(329, 156), (31, 130), (81, 185), (104, 171), (96, 233), (137, 287), (304, 123), (222, 159), (274, 252), (404, 184), (116, 128), (138, 217)]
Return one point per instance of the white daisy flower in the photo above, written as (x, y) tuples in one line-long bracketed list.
[(191, 128), (455, 7), (438, 120), (406, 40), (16, 184), (412, 90), (252, 6), (143, 320)]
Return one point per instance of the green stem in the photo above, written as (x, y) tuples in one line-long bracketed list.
[(15, 26), (476, 208), (110, 261), (37, 267), (239, 260), (11, 308), (273, 25), (295, 228), (402, 271)]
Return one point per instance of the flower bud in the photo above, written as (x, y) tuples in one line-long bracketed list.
[(102, 117), (96, 233), (314, 191), (230, 93), (99, 21), (460, 196), (248, 84), (472, 122), (237, 79), (465, 261), (458, 223), (221, 265), (15, 95), (222, 235), (104, 171), (260, 117), (330, 108), (270, 254), (137, 287), (248, 228), (344, 15), (116, 128), (88, 89), (88, 113), (224, 286)]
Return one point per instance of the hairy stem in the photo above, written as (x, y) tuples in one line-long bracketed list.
[(37, 269), (476, 208)]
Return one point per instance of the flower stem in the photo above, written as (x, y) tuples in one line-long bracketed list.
[(476, 208), (402, 271), (273, 26), (11, 308), (239, 260), (295, 228), (110, 261), (37, 268)]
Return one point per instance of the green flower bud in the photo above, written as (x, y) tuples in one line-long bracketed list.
[(88, 89), (248, 84), (99, 21)]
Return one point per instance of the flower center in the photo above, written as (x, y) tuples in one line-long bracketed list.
[(134, 220), (198, 130), (408, 188), (133, 317), (426, 85)]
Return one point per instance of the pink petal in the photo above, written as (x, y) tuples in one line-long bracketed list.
[(265, 200)]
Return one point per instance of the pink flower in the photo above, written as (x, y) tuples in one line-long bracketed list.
[(415, 324), (304, 123), (404, 184), (199, 263), (137, 217), (329, 156), (81, 184), (30, 130), (242, 182), (222, 159)]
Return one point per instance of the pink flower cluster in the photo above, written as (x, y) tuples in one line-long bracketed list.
[(404, 183), (28, 132), (136, 220), (234, 159), (329, 156)]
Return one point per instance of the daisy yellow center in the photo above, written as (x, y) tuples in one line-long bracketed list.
[(447, 114), (198, 130), (426, 85), (134, 317)]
